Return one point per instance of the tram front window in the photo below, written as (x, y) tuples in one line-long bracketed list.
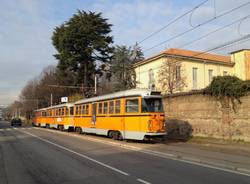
[(152, 105)]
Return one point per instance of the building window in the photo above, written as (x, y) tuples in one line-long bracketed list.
[(151, 79), (195, 78), (224, 73), (210, 75), (132, 105), (178, 73)]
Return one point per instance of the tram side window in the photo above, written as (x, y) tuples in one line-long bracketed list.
[(77, 110), (80, 109), (111, 107), (100, 108), (117, 106), (132, 105), (71, 110), (67, 111), (105, 108), (43, 113), (83, 109), (87, 109)]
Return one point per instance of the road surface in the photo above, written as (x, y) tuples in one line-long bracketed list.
[(29, 155)]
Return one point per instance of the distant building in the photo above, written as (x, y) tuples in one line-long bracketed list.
[(198, 68)]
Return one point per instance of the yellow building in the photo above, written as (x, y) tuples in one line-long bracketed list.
[(196, 69)]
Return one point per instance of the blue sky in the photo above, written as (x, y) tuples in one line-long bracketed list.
[(26, 27)]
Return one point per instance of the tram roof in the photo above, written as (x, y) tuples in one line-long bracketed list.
[(127, 93), (56, 106)]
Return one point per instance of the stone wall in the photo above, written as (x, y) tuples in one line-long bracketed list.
[(209, 117)]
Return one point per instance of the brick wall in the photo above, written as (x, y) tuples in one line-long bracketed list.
[(209, 117)]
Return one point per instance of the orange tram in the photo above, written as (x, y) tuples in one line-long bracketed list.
[(132, 114)]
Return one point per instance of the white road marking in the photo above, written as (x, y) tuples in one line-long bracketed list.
[(79, 154), (154, 153), (143, 181), (214, 167)]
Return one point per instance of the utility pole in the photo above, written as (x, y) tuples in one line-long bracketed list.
[(51, 99), (95, 84)]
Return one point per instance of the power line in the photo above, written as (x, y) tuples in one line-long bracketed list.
[(239, 26), (72, 87), (173, 21), (193, 28), (214, 31), (241, 39)]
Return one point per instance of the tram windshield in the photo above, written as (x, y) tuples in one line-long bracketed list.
[(152, 105)]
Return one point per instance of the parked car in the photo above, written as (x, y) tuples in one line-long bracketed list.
[(16, 122)]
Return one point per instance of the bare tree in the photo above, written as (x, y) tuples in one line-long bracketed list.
[(37, 92), (171, 77)]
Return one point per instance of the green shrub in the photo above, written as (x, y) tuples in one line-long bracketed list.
[(228, 86)]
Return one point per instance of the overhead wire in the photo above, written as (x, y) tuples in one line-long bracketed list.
[(173, 21), (239, 26), (197, 26), (216, 30)]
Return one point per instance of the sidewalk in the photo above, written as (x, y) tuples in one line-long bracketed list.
[(232, 147), (230, 155)]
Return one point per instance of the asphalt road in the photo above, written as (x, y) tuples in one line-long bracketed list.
[(29, 155)]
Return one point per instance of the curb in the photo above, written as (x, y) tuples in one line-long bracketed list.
[(190, 160)]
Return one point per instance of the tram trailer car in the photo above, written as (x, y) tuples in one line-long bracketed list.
[(59, 116), (132, 114)]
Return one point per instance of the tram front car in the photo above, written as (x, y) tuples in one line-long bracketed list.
[(154, 116)]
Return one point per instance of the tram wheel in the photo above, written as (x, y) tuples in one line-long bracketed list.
[(117, 135), (61, 128), (78, 130), (111, 134)]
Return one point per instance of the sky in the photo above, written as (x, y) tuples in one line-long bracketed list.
[(26, 28)]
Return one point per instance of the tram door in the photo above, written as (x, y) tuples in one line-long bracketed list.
[(93, 115)]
